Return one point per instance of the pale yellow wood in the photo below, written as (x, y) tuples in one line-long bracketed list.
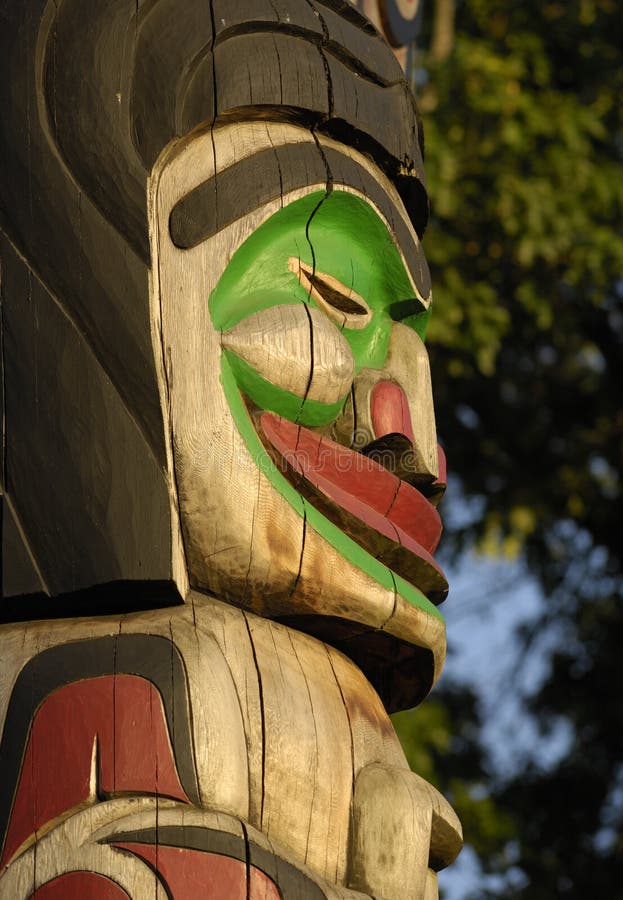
[(308, 759), (296, 348), (230, 629), (372, 734), (397, 821), (431, 889), (407, 362), (332, 586), (147, 811), (221, 728), (390, 845), (282, 726)]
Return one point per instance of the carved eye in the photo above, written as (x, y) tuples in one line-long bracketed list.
[(404, 309), (341, 304)]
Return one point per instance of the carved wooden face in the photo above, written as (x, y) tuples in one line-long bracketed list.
[(297, 386)]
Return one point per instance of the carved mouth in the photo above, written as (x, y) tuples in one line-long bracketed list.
[(384, 514)]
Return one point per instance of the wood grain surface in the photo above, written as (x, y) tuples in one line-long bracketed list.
[(292, 749), (200, 646)]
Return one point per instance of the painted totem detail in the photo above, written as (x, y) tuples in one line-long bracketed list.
[(220, 464)]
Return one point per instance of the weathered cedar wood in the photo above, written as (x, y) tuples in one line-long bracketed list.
[(196, 672)]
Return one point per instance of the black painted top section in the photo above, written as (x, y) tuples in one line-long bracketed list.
[(89, 496), (110, 599), (120, 80)]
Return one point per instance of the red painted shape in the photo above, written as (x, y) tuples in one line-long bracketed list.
[(261, 887), (80, 886), (390, 411), (442, 478), (194, 874), (359, 485), (414, 518), (134, 755)]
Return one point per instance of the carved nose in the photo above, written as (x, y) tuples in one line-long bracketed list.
[(392, 443), (394, 439), (390, 415), (389, 410)]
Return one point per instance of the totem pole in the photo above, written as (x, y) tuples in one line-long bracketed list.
[(220, 466)]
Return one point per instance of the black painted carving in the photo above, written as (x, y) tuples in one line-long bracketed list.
[(293, 884), (219, 201)]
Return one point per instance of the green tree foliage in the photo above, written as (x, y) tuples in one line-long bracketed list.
[(524, 135)]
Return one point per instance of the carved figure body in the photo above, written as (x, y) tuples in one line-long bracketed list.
[(220, 459), (222, 722)]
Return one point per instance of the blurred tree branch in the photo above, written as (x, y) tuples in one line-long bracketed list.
[(440, 48)]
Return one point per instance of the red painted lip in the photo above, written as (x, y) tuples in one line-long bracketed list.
[(387, 516)]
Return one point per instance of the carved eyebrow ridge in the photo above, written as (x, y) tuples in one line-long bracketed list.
[(275, 172)]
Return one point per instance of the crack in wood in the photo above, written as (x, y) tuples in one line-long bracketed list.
[(316, 209), (384, 625), (260, 688), (329, 651), (302, 553), (247, 848), (321, 49), (313, 716), (253, 517), (322, 41)]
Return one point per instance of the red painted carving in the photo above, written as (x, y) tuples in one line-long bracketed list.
[(390, 410), (91, 739), (404, 515), (80, 886), (443, 468), (359, 485), (190, 874)]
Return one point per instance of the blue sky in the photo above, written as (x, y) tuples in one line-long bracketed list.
[(489, 599)]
